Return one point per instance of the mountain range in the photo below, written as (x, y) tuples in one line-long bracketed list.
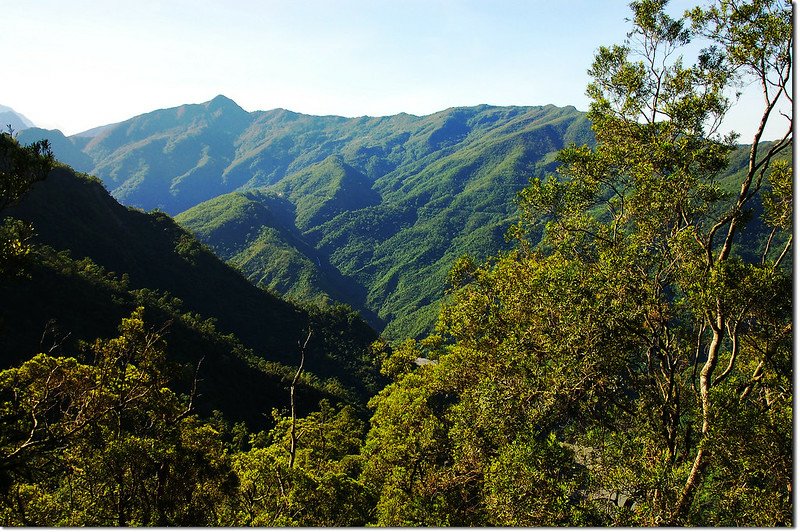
[(9, 118), (369, 211)]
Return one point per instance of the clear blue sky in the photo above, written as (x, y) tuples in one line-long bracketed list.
[(77, 64)]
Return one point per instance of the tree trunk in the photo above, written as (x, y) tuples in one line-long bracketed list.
[(701, 458), (293, 431)]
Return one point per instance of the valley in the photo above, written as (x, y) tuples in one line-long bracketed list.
[(369, 211)]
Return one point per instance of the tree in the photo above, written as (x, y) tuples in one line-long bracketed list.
[(657, 171), (305, 474), (20, 167), (293, 431), (407, 451), (106, 443), (613, 365), (670, 222)]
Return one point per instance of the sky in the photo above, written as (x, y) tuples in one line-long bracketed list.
[(77, 64)]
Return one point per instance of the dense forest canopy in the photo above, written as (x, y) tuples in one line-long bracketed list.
[(632, 367), (627, 362)]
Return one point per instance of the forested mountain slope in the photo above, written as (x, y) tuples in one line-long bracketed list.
[(175, 158), (370, 211), (367, 211), (245, 373), (384, 223)]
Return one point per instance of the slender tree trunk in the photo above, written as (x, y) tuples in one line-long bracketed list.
[(701, 458), (161, 480), (122, 519), (293, 431)]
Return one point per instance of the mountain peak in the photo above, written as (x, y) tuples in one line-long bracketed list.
[(9, 117), (221, 102)]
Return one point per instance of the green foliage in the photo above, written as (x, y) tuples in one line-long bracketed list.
[(534, 481), (15, 236), (21, 166), (321, 489), (629, 363), (406, 455), (778, 200), (105, 443), (375, 218)]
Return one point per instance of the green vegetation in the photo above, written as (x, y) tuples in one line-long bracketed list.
[(625, 361), (325, 233), (378, 222), (106, 443), (366, 211), (255, 232), (115, 259), (20, 167), (632, 367)]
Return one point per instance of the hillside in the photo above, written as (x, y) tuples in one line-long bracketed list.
[(175, 158), (150, 260), (390, 260), (379, 223), (369, 211), (64, 148)]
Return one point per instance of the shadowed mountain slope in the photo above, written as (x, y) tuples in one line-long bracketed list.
[(253, 338)]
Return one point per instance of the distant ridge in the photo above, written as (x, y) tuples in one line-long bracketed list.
[(91, 133), (17, 121), (369, 211), (65, 150)]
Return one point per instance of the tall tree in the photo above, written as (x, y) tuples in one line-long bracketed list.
[(606, 371), (657, 170)]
